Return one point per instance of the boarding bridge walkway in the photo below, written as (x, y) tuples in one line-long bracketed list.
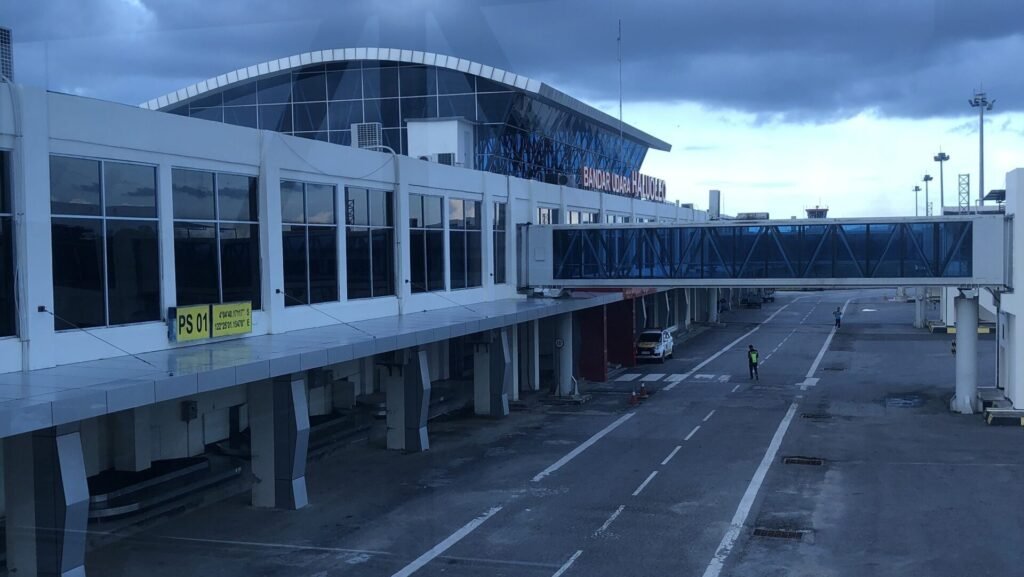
[(967, 251)]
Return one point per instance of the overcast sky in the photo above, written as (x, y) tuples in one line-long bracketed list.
[(781, 104)]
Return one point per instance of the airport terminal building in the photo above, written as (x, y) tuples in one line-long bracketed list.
[(291, 243)]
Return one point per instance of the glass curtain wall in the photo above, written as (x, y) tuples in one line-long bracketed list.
[(310, 243), (106, 258), (426, 242)]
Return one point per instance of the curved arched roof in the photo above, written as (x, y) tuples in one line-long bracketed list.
[(513, 80)]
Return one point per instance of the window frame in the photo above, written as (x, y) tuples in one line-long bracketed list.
[(465, 230), (499, 228), (370, 228), (7, 216), (426, 229), (306, 226)]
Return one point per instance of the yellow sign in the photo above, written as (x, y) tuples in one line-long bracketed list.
[(190, 323), (232, 319)]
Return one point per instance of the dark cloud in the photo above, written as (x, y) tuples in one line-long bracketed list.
[(783, 60)]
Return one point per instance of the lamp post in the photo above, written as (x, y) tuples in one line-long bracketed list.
[(927, 203), (941, 158), (982, 103), (917, 189)]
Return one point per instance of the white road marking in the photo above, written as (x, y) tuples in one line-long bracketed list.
[(810, 382), (447, 543), (676, 377), (583, 447), (724, 378), (824, 347), (736, 526), (628, 377), (692, 433), (568, 564), (709, 415), (736, 388), (729, 346), (704, 377), (269, 545), (644, 484), (652, 377), (670, 455), (610, 520)]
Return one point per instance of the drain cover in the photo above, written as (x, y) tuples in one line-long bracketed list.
[(795, 535), (803, 461), (817, 416)]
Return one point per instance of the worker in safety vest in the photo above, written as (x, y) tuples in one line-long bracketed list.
[(753, 358)]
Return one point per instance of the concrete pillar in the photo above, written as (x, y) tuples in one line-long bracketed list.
[(919, 301), (492, 371), (408, 400), (529, 356), (132, 444), (279, 426), (563, 354), (966, 355), (47, 503), (512, 386), (712, 305)]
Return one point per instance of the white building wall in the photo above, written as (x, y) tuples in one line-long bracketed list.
[(1011, 355)]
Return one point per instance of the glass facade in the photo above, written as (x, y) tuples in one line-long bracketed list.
[(546, 215), (370, 242), (500, 239), (464, 243), (216, 237), (106, 258), (884, 250), (517, 132), (583, 217), (8, 311), (309, 242), (426, 242)]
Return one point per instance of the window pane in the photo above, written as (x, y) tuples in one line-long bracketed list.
[(310, 116), (242, 94), (456, 214), (454, 82), (342, 137), (237, 197), (74, 186), (345, 84), (435, 260), (474, 260), (499, 257), (356, 210), (393, 139), (380, 82), (344, 114), (457, 251), (494, 107), (78, 273), (380, 208), (414, 81), (383, 263), (309, 87), (133, 271), (208, 101), (415, 211), (418, 261), (320, 204), (323, 264), (215, 114), (129, 189), (432, 214), (472, 208), (240, 263), (321, 136), (293, 239), (464, 106), (499, 216), (384, 111), (488, 85), (241, 116), (419, 107), (195, 263), (277, 89), (357, 262), (276, 117), (7, 309), (291, 202), (193, 194)]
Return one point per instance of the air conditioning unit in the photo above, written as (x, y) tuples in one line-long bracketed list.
[(367, 135), (6, 55), (446, 158)]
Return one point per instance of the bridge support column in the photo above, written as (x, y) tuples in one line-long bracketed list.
[(919, 302), (47, 502), (492, 370), (712, 305), (279, 422), (408, 399), (529, 356), (966, 355), (563, 353)]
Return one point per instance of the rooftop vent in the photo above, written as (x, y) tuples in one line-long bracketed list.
[(6, 55)]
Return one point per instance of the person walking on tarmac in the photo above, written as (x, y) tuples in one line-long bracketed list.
[(753, 357), (838, 314)]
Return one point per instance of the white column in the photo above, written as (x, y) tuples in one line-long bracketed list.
[(919, 301), (530, 356), (492, 374), (712, 305), (408, 399), (132, 443), (279, 425), (513, 386), (271, 247), (966, 355), (563, 336)]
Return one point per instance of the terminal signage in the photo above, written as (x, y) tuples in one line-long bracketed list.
[(635, 185), (197, 322)]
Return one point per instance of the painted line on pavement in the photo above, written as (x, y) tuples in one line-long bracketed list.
[(714, 568), (692, 433), (568, 564), (583, 447), (727, 347), (446, 544), (628, 377), (670, 455), (824, 347), (736, 388), (644, 484), (649, 377), (675, 377), (611, 519), (709, 415), (267, 545)]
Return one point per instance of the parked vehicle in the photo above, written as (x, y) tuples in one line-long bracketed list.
[(752, 298), (768, 296), (654, 344)]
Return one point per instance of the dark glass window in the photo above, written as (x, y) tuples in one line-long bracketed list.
[(215, 114), (8, 312), (454, 82), (416, 81), (418, 107), (216, 238), (370, 247), (547, 215), (322, 136), (384, 111), (494, 107), (106, 266), (239, 95), (426, 246), (208, 101), (310, 116), (342, 137), (463, 105), (344, 114), (241, 116), (380, 82), (310, 244), (345, 84), (488, 85), (464, 243), (276, 117), (309, 87), (500, 237), (393, 138), (275, 90)]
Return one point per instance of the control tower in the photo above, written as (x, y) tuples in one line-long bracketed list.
[(817, 212)]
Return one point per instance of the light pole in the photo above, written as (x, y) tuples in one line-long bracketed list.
[(927, 203), (917, 189), (982, 103), (941, 158)]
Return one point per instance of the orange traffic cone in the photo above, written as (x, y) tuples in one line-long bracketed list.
[(643, 391), (633, 400)]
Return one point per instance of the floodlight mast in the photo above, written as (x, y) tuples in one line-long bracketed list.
[(982, 103)]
